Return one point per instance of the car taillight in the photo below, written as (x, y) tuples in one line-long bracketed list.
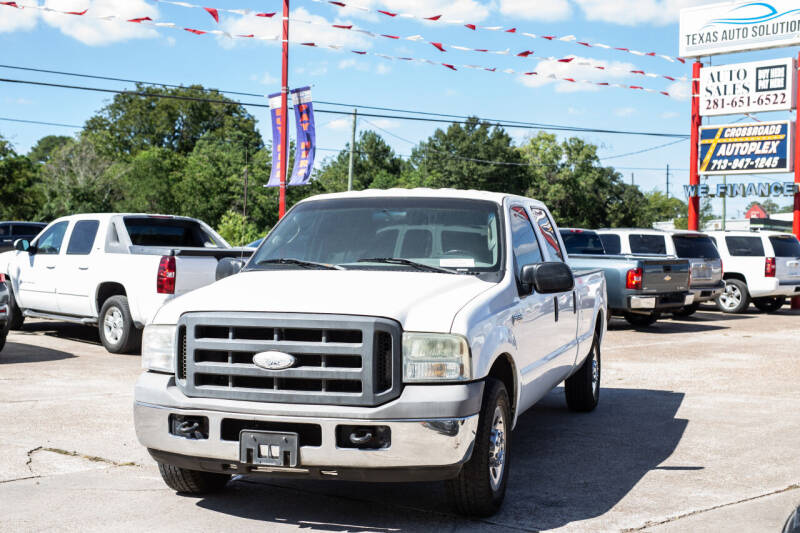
[(769, 267), (721, 268), (165, 280), (634, 279), (2, 278)]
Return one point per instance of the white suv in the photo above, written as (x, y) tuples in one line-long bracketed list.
[(761, 267)]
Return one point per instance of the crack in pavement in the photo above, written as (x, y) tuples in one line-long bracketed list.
[(30, 459), (649, 524), (92, 458)]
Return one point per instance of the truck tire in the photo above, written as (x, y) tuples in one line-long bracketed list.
[(582, 388), (686, 311), (735, 298), (15, 317), (192, 481), (115, 326), (480, 487), (769, 305), (3, 336), (642, 321)]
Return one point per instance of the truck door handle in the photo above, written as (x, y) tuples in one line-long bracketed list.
[(574, 302), (83, 268), (555, 305), (50, 267), (516, 317)]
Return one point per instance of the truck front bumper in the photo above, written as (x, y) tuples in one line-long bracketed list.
[(421, 447)]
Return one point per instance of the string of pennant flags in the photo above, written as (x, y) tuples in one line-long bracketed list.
[(147, 21)]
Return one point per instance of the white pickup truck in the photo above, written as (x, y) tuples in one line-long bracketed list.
[(374, 336), (114, 270)]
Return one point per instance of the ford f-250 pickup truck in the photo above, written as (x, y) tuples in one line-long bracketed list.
[(639, 288), (376, 336), (113, 270)]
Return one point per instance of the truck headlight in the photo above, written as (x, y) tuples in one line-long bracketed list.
[(158, 348), (432, 357)]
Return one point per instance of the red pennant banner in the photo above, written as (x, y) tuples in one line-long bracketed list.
[(213, 12)]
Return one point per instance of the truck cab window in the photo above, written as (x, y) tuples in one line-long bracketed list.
[(82, 238), (548, 232), (523, 240), (648, 244), (611, 243), (49, 243)]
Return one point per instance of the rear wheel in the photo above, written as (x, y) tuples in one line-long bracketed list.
[(15, 317), (116, 328), (769, 305), (686, 311), (735, 298), (582, 389), (192, 481), (641, 321), (3, 335), (480, 487)]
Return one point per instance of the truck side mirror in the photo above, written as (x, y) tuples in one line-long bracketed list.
[(228, 266), (548, 278), (22, 245)]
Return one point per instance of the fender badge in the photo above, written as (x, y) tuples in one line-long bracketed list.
[(274, 360)]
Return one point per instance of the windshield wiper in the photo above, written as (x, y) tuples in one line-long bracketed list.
[(407, 262), (299, 262)]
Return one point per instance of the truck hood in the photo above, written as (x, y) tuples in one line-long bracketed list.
[(419, 301)]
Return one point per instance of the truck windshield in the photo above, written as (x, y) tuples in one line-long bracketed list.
[(787, 246), (647, 244), (582, 242), (152, 231), (699, 247), (455, 234)]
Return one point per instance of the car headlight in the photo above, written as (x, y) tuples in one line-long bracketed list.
[(158, 348), (435, 357)]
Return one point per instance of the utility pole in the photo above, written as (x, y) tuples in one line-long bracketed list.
[(633, 182), (284, 130), (352, 151), (244, 207), (667, 181)]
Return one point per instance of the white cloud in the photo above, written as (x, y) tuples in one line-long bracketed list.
[(467, 10), (266, 79), (633, 12), (553, 72), (574, 111), (680, 90), (352, 64), (12, 19), (385, 123), (668, 115), (547, 10), (339, 124), (625, 111), (93, 32), (383, 69)]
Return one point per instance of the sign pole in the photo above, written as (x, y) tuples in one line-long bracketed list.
[(694, 176), (796, 220), (284, 109)]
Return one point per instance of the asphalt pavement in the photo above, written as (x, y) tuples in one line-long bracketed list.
[(698, 429)]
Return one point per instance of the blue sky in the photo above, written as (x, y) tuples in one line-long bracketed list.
[(33, 38)]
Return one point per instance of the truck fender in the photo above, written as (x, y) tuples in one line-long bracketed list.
[(498, 343)]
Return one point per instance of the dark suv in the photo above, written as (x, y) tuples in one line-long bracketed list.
[(11, 231)]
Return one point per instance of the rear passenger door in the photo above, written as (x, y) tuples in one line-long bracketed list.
[(77, 270)]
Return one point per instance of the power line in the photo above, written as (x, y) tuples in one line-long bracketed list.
[(504, 123), (643, 151), (41, 123)]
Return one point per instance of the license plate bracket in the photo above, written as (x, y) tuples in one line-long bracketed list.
[(268, 448)]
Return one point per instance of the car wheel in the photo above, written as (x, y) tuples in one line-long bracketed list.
[(769, 305), (15, 317), (686, 311), (642, 321), (3, 336), (115, 325), (192, 481), (480, 487), (735, 298), (582, 389)]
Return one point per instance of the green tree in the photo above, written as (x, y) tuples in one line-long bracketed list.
[(21, 196), (661, 208), (44, 147), (148, 182), (236, 230), (457, 158), (767, 204), (375, 166)]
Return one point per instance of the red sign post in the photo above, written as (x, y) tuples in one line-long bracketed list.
[(796, 221), (284, 109), (694, 175)]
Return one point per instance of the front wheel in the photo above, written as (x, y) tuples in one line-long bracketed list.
[(641, 321), (770, 304), (116, 328), (15, 316), (192, 481), (735, 298), (582, 388), (480, 487)]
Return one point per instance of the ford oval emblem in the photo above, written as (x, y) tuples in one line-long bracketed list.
[(274, 360), (667, 278)]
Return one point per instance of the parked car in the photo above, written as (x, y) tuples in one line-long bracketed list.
[(113, 270), (640, 289), (11, 231), (3, 311), (762, 268), (378, 335), (698, 248)]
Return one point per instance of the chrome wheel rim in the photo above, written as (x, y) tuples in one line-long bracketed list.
[(731, 298), (497, 448), (595, 372), (113, 325)]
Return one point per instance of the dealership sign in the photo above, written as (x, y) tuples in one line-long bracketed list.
[(744, 190), (746, 148), (738, 27), (748, 87)]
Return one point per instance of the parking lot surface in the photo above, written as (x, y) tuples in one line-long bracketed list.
[(698, 429)]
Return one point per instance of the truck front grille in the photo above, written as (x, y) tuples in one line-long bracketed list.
[(340, 360)]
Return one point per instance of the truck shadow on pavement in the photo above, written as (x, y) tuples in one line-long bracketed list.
[(566, 468), (62, 330), (26, 353)]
